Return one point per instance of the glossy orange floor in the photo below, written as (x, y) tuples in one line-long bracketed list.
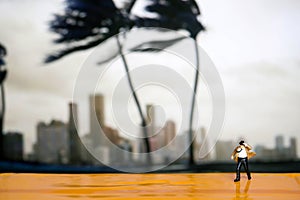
[(148, 186)]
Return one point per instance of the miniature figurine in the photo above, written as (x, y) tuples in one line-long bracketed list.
[(241, 154)]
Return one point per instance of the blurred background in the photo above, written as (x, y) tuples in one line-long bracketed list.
[(254, 45)]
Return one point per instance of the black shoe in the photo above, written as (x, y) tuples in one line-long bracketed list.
[(249, 177), (236, 180)]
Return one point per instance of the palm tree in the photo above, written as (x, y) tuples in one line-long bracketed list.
[(3, 73), (177, 15), (87, 23)]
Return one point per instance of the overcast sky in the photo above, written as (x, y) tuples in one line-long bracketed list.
[(254, 44)]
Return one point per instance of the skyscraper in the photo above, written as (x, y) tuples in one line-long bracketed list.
[(75, 142), (97, 106), (97, 120), (203, 145), (279, 142), (13, 146), (150, 119), (52, 142), (170, 131), (100, 142), (293, 148)]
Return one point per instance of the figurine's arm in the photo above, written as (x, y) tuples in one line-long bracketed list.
[(247, 146), (233, 153)]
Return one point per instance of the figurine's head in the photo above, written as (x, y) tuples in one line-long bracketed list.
[(242, 142)]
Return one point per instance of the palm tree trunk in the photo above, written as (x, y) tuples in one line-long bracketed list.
[(191, 142), (144, 124), (1, 122)]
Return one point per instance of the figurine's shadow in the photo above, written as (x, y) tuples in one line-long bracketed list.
[(242, 194)]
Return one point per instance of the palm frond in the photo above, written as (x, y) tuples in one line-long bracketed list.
[(108, 59), (2, 51), (85, 21), (85, 18), (172, 14), (155, 45), (2, 54), (66, 51), (149, 46)]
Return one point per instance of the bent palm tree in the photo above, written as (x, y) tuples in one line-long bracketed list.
[(177, 15), (3, 73), (87, 23)]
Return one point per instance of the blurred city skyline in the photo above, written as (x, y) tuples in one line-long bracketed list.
[(254, 44), (58, 143)]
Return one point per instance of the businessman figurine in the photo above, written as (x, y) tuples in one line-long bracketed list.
[(241, 154)]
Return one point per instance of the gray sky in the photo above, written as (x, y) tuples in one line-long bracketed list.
[(254, 44)]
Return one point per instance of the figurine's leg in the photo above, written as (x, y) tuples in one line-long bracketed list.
[(247, 169), (238, 169)]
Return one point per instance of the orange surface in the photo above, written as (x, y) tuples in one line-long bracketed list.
[(148, 186)]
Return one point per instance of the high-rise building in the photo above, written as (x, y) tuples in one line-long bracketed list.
[(202, 146), (182, 144), (293, 148), (150, 119), (100, 134), (52, 142), (76, 147), (158, 135), (97, 107), (97, 120), (13, 146), (140, 143), (170, 131), (126, 155), (86, 156), (279, 142)]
